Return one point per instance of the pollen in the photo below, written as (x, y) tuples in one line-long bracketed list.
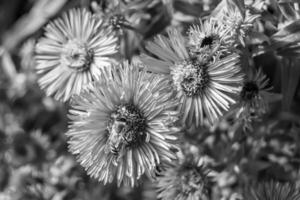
[(191, 77), (76, 55)]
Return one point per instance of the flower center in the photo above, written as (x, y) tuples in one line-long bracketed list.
[(207, 41), (117, 21), (77, 56), (191, 77), (192, 179), (126, 128), (250, 90)]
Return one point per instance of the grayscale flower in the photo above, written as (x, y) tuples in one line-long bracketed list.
[(273, 190), (187, 180), (72, 52), (252, 104), (237, 23), (210, 39), (204, 87), (122, 126)]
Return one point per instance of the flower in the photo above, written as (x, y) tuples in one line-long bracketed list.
[(187, 180), (209, 38), (205, 88), (273, 190), (238, 22), (252, 104), (121, 128), (72, 52)]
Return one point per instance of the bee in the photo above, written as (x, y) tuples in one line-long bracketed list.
[(116, 140)]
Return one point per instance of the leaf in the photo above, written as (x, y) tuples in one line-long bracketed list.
[(158, 23), (194, 9), (31, 22), (287, 35), (8, 65), (288, 1), (288, 11), (255, 166), (289, 80), (240, 5), (258, 38)]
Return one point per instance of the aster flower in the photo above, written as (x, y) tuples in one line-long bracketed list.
[(209, 39), (121, 128), (205, 88), (187, 180), (237, 22), (252, 104), (72, 52), (273, 190)]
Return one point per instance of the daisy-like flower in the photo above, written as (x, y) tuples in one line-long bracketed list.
[(122, 127), (209, 39), (273, 190), (252, 103), (237, 23), (188, 180), (72, 52), (205, 88)]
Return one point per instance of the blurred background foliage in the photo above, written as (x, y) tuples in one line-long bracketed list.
[(34, 159)]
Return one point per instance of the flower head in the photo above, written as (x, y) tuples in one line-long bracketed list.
[(237, 22), (209, 39), (121, 128), (252, 104), (72, 52), (204, 87), (188, 180), (273, 190)]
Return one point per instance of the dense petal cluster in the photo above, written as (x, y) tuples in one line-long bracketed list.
[(210, 39), (237, 22), (186, 181), (273, 190), (73, 50), (122, 126), (252, 102), (205, 88)]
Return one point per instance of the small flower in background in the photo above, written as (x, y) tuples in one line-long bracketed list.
[(186, 180), (117, 127), (237, 21), (273, 190), (26, 148), (72, 52), (252, 104), (209, 39), (205, 89), (28, 183)]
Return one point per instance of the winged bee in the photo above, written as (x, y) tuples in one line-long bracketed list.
[(115, 140)]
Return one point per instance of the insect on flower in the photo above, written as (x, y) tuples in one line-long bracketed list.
[(118, 127)]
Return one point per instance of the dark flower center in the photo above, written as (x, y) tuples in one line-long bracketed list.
[(77, 56), (207, 41), (250, 90), (117, 21), (126, 128), (196, 81)]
